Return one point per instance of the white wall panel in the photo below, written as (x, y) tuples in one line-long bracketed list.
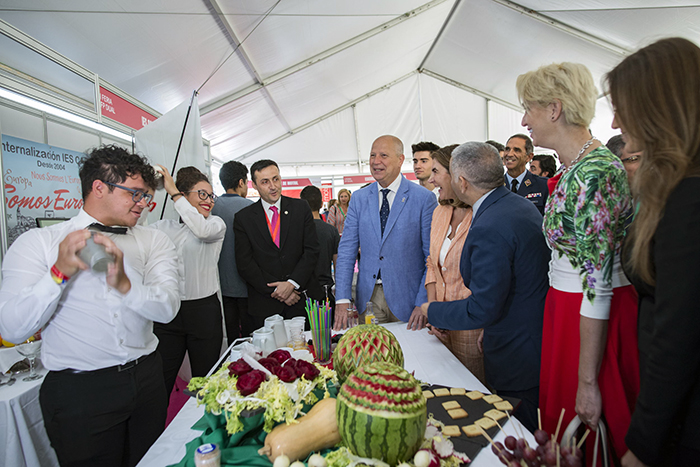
[(21, 124), (332, 139), (451, 115), (395, 111), (504, 122), (69, 138)]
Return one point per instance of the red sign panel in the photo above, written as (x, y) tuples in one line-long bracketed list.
[(327, 194), (123, 111), (357, 179), (296, 182)]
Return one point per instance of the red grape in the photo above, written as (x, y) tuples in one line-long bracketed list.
[(541, 451), (522, 444), (550, 458), (529, 454), (510, 442), (541, 437), (497, 447)]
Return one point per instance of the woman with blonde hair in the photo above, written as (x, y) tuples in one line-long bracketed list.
[(337, 212), (589, 348), (656, 98), (443, 281)]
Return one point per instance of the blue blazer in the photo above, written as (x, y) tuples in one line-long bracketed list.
[(504, 263), (534, 188), (401, 254)]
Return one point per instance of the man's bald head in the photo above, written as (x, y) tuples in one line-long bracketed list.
[(391, 139), (385, 159)]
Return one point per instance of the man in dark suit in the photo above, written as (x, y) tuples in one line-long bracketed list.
[(519, 180), (504, 263), (276, 249)]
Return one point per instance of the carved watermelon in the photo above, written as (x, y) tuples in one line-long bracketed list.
[(382, 413), (365, 344)]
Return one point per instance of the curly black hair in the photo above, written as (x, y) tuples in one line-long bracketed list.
[(113, 164), (188, 177)]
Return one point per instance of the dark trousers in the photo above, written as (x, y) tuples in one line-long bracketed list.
[(196, 329), (105, 417), (527, 411), (236, 315)]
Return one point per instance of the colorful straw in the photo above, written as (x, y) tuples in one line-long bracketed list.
[(320, 323)]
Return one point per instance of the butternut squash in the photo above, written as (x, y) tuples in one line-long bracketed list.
[(315, 431)]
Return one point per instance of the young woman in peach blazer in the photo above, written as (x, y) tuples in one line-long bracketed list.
[(443, 282)]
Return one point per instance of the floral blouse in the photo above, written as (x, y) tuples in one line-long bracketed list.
[(584, 224)]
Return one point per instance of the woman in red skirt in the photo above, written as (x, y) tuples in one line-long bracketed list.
[(590, 363)]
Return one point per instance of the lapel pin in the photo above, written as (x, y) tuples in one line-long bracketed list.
[(403, 200), (527, 182)]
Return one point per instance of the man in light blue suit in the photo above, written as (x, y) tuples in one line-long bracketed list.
[(390, 222), (504, 264)]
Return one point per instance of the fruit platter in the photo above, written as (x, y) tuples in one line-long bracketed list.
[(369, 410)]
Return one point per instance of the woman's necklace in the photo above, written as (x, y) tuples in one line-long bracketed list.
[(580, 153)]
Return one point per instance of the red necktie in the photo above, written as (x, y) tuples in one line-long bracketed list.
[(274, 225)]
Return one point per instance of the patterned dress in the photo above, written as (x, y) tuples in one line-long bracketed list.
[(584, 224)]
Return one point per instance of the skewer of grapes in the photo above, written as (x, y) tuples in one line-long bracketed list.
[(516, 452)]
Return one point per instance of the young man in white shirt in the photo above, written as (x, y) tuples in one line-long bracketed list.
[(104, 400)]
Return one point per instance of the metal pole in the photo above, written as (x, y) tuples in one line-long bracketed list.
[(3, 219), (179, 145)]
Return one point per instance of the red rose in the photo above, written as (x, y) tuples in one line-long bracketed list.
[(250, 382), (285, 373), (238, 368), (280, 355), (269, 363), (307, 370)]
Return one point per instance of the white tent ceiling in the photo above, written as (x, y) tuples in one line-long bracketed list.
[(315, 81)]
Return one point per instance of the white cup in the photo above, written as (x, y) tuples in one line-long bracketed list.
[(276, 323), (264, 339)]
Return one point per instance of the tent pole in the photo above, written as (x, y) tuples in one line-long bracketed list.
[(488, 124), (177, 154), (357, 138)]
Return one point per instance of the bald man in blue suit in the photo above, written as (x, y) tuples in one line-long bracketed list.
[(504, 263), (390, 221)]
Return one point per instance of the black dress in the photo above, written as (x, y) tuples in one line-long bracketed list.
[(665, 427)]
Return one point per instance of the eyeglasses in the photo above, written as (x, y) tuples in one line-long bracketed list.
[(630, 159), (204, 195), (136, 195)]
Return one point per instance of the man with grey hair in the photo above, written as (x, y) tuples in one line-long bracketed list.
[(519, 151), (504, 264)]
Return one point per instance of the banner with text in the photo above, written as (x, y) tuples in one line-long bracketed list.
[(40, 181)]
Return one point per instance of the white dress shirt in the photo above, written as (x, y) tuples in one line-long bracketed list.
[(88, 325), (519, 178), (198, 242), (266, 207), (393, 188), (478, 202)]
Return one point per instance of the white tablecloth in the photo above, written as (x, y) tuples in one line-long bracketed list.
[(424, 354), (23, 439)]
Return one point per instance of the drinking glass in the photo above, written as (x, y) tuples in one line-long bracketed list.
[(31, 348)]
